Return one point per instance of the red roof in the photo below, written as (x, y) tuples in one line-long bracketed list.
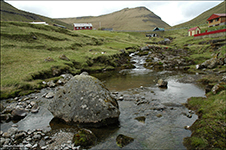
[(213, 16), (193, 28)]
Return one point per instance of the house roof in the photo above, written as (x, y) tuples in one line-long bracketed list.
[(193, 28), (83, 25), (213, 16), (39, 23), (158, 29)]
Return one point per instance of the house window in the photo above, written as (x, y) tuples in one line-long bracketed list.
[(85, 27), (77, 28), (217, 19), (210, 21)]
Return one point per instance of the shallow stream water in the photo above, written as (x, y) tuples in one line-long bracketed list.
[(163, 127)]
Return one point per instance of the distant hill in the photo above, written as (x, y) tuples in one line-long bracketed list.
[(10, 13), (202, 18), (139, 18)]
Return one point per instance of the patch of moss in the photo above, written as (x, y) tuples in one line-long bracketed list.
[(84, 138)]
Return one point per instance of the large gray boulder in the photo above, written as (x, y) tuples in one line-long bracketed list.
[(85, 100)]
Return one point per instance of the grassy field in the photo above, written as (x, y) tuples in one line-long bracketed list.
[(30, 53), (27, 48)]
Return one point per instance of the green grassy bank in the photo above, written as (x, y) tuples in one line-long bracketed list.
[(32, 53), (209, 131)]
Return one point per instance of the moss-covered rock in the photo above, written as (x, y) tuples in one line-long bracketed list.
[(84, 138)]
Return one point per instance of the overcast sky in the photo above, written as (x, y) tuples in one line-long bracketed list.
[(172, 12)]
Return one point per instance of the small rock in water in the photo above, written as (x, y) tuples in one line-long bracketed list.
[(159, 115), (115, 93), (187, 127), (14, 125), (50, 95), (51, 83), (189, 115), (123, 140), (121, 98), (141, 119), (162, 83), (18, 113), (35, 146), (35, 108), (28, 145), (191, 112)]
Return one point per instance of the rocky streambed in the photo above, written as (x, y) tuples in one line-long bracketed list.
[(150, 117)]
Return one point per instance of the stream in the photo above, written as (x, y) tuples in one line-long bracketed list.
[(164, 116)]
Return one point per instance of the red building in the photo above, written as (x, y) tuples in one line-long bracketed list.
[(216, 20), (83, 26), (193, 31)]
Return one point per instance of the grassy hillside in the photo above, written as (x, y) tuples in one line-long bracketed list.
[(10, 13), (30, 53), (139, 18), (201, 19)]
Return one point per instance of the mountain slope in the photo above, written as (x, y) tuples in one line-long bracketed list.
[(202, 18), (10, 13), (139, 18)]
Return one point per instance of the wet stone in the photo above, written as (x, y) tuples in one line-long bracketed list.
[(159, 115), (6, 135), (12, 130), (20, 135), (141, 119), (28, 145), (123, 140), (18, 114), (162, 83), (44, 147), (35, 146), (72, 102), (5, 117), (46, 138), (2, 141), (84, 138), (50, 95), (189, 115), (1, 132), (35, 109), (7, 141), (121, 98), (186, 127)]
